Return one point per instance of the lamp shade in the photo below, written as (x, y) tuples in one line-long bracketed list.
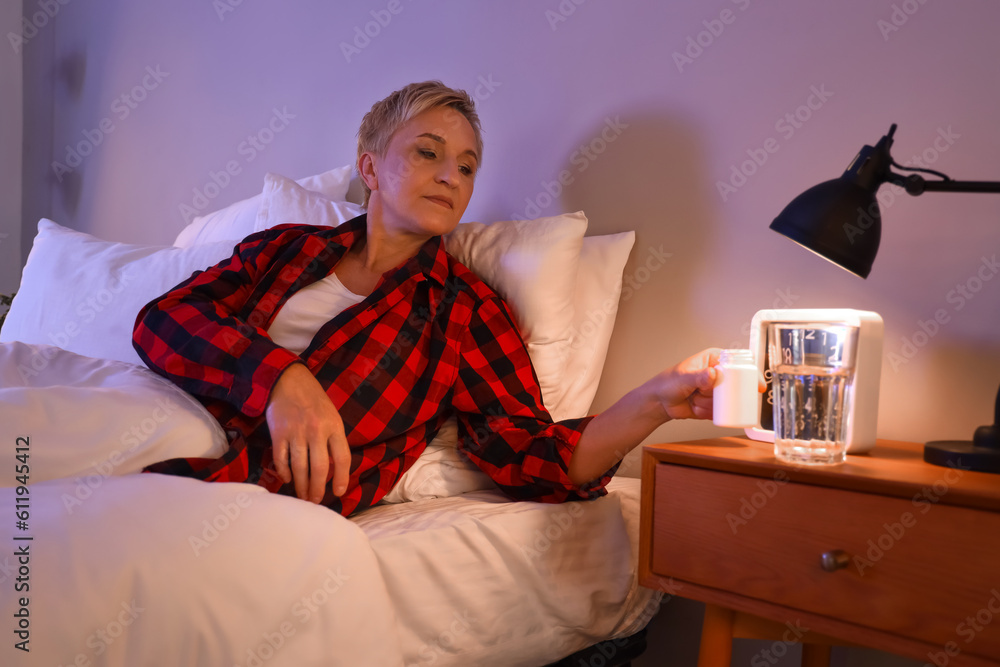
[(838, 220)]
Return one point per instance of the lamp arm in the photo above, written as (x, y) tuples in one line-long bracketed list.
[(986, 438), (916, 184)]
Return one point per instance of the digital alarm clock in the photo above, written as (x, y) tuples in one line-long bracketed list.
[(862, 401)]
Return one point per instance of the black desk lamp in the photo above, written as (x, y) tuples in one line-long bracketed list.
[(840, 221)]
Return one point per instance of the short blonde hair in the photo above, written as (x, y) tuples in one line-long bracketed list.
[(388, 115)]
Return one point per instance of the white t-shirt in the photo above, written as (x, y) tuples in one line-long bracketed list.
[(309, 309)]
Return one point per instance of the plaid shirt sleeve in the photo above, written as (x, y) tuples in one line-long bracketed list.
[(504, 428), (197, 336)]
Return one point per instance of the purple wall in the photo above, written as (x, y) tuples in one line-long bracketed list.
[(676, 97)]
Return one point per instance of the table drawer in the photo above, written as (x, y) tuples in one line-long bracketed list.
[(917, 568)]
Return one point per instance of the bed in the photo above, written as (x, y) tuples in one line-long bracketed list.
[(101, 565)]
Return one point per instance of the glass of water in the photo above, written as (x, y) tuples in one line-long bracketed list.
[(812, 375)]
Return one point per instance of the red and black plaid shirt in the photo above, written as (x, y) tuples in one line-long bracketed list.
[(431, 341)]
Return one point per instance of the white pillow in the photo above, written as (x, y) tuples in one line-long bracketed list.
[(595, 306), (440, 472), (83, 294), (285, 201), (236, 221)]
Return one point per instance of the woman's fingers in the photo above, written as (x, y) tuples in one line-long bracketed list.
[(279, 449), (306, 460), (319, 465), (340, 455), (300, 468)]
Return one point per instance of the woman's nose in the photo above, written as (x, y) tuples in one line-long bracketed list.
[(448, 172)]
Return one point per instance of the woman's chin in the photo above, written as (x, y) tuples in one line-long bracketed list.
[(439, 225)]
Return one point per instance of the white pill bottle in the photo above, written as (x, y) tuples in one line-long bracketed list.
[(734, 396)]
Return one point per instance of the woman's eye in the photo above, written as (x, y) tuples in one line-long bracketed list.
[(427, 153), (467, 170)]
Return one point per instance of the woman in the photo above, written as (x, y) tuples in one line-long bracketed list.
[(332, 356)]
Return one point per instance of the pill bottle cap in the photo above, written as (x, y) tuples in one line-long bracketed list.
[(735, 356)]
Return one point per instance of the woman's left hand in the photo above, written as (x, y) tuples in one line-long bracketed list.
[(685, 391)]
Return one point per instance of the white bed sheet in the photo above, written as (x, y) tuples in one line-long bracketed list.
[(169, 571), (479, 580), (128, 569)]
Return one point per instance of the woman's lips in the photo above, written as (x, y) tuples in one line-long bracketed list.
[(442, 201)]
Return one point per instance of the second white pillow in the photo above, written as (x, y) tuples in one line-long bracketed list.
[(236, 221), (285, 201)]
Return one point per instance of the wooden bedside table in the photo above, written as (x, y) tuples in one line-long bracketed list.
[(884, 551)]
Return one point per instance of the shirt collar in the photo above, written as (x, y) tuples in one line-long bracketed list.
[(431, 260)]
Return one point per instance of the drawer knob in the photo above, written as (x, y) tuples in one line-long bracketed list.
[(834, 560)]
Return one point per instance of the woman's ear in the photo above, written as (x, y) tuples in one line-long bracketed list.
[(367, 170)]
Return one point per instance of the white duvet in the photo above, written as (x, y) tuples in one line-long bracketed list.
[(115, 568)]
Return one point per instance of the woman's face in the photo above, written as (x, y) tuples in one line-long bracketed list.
[(424, 181)]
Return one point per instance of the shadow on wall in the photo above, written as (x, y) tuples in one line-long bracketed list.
[(647, 173), (651, 179), (69, 76)]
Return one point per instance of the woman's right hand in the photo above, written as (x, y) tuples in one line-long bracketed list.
[(307, 435)]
